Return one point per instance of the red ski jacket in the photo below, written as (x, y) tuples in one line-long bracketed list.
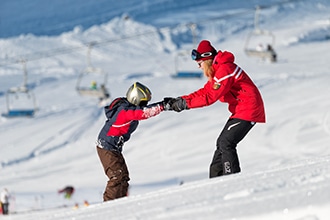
[(231, 85), (122, 120)]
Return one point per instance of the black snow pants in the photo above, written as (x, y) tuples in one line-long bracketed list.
[(225, 159)]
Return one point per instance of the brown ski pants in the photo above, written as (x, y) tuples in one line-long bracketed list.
[(115, 168)]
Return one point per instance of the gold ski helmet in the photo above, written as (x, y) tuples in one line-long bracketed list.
[(138, 94)]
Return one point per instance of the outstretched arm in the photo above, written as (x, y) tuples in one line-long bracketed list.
[(148, 111)]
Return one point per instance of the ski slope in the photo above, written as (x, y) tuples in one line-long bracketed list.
[(285, 162)]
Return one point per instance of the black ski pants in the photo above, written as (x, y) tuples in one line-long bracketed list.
[(225, 159)]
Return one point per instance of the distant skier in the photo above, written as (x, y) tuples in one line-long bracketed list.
[(123, 116), (4, 199), (227, 83), (68, 191)]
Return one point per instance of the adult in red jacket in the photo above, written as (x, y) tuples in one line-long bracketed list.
[(227, 83)]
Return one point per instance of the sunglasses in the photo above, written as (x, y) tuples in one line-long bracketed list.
[(195, 55)]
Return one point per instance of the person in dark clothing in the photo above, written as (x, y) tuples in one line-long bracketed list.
[(273, 57), (123, 116), (4, 200), (230, 84), (68, 191)]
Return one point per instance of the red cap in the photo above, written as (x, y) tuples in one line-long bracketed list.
[(204, 47)]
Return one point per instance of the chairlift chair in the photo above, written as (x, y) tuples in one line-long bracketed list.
[(20, 101), (266, 36), (92, 73), (100, 91), (267, 52), (184, 74)]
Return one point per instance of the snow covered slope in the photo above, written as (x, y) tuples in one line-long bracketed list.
[(279, 193)]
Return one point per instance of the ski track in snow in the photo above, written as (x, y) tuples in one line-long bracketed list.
[(72, 132)]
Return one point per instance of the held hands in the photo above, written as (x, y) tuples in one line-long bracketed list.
[(174, 104), (166, 103), (178, 104)]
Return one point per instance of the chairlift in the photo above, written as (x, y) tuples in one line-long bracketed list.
[(184, 74), (92, 81), (20, 101), (252, 45)]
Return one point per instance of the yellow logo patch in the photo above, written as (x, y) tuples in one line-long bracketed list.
[(216, 86)]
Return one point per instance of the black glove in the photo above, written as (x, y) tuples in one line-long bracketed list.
[(166, 103), (178, 104)]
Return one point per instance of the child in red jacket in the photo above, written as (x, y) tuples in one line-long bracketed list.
[(226, 83), (123, 116)]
